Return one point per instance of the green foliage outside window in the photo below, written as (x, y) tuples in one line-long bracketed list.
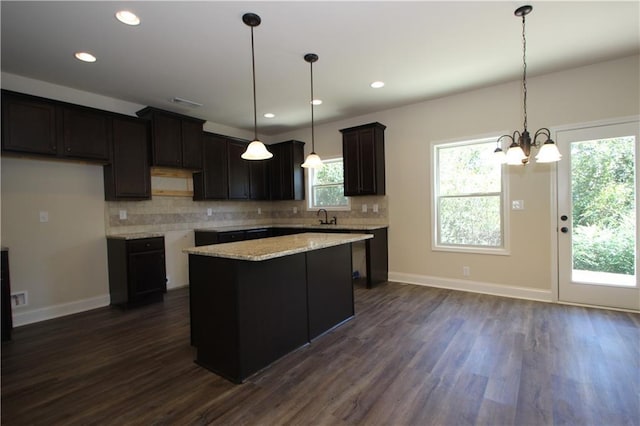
[(328, 185), (604, 215), (468, 195)]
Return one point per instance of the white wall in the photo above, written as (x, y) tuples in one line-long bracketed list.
[(600, 91)]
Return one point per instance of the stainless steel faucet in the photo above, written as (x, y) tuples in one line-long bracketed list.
[(334, 220)]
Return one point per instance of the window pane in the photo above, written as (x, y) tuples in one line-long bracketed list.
[(329, 195), (473, 221), (332, 172), (468, 169)]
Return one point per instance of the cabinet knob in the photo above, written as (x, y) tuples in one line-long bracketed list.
[(68, 149)]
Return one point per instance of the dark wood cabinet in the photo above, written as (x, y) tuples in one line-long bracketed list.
[(363, 159), (176, 140), (86, 133), (238, 171), (5, 294), (28, 125), (259, 180), (137, 271), (213, 182), (128, 177), (208, 237), (38, 126), (286, 174)]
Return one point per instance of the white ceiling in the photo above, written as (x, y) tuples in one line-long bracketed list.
[(202, 51)]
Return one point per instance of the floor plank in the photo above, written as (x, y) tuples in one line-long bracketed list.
[(412, 355)]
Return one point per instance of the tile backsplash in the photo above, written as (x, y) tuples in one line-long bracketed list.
[(170, 213)]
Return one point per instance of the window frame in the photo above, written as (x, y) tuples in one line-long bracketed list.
[(310, 199), (504, 199)]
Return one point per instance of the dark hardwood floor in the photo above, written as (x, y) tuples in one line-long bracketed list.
[(412, 356)]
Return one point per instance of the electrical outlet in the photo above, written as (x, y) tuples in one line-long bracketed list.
[(466, 271), (364, 208), (19, 299), (375, 208), (259, 210), (44, 217), (123, 215), (295, 210), (209, 211)]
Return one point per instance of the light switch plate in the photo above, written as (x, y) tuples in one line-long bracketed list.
[(517, 205), (375, 208), (209, 211), (123, 215), (295, 210), (44, 217), (364, 208)]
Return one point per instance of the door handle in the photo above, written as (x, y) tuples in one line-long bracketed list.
[(564, 229), (564, 218)]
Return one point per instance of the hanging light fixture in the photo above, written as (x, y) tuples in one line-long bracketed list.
[(521, 143), (256, 149), (313, 160)]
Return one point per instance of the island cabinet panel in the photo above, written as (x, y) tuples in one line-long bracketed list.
[(247, 314), (128, 177), (176, 140), (363, 160), (213, 182), (330, 289), (87, 133), (28, 125)]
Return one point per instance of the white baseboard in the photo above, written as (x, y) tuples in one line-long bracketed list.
[(50, 312), (473, 286)]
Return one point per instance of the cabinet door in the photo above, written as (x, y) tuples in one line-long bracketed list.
[(275, 171), (286, 173), (191, 145), (351, 163), (86, 134), (258, 180), (28, 125), (213, 179), (128, 176), (367, 161), (147, 274), (167, 133), (238, 171)]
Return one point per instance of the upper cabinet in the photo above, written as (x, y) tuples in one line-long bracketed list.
[(128, 177), (213, 182), (363, 159), (176, 140), (286, 173), (33, 125)]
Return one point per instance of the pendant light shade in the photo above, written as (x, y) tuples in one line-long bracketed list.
[(256, 149), (313, 160), (521, 143)]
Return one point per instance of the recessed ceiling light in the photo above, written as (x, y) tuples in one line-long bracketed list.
[(377, 84), (85, 56), (316, 102), (127, 17), (269, 115)]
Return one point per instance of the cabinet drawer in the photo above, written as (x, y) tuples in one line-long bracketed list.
[(227, 237), (145, 244)]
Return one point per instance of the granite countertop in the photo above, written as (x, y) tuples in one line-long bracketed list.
[(348, 227), (136, 236), (270, 248)]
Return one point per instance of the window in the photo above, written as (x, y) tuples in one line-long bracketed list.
[(326, 186), (469, 207)]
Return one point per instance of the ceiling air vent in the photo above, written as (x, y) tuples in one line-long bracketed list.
[(186, 102)]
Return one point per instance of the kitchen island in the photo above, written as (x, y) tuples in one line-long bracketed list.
[(253, 302)]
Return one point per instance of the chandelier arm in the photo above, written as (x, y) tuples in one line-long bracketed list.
[(542, 131)]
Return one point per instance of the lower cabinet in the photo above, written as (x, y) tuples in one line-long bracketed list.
[(137, 272)]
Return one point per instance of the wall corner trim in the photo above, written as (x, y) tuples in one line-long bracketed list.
[(473, 286), (50, 312)]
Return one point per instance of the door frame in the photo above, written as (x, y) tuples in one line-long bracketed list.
[(555, 267)]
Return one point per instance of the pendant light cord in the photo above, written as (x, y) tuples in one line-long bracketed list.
[(524, 72), (313, 145), (255, 108)]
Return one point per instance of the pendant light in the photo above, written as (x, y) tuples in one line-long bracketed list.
[(313, 160), (256, 149), (521, 143)]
